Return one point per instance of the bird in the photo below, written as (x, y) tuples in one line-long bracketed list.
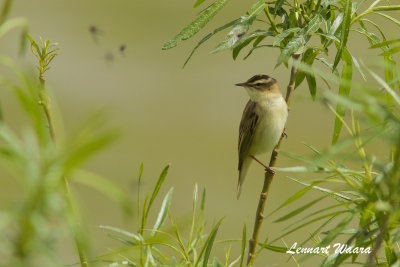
[(262, 124)]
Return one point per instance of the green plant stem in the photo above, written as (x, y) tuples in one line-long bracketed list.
[(268, 176), (271, 20), (45, 103)]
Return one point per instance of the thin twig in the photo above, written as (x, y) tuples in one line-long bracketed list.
[(268, 176)]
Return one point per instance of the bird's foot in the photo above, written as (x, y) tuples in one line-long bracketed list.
[(284, 134), (258, 161), (269, 170)]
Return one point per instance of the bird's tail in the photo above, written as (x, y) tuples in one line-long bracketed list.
[(242, 175)]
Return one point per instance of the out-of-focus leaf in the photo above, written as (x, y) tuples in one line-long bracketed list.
[(243, 250), (345, 29), (344, 90), (163, 212), (197, 24), (12, 24), (208, 36), (104, 186), (83, 148), (385, 86), (5, 10)]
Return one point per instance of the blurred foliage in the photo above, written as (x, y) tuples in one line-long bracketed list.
[(164, 244), (46, 211)]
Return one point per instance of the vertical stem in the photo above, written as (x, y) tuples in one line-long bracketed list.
[(45, 103), (268, 176)]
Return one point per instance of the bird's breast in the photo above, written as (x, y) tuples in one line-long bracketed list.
[(272, 119)]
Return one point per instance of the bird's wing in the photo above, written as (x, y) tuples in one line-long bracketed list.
[(247, 129)]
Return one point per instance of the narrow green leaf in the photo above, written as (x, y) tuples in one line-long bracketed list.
[(344, 90), (125, 233), (138, 193), (208, 36), (278, 6), (157, 187), (197, 24), (246, 40), (295, 45), (307, 58), (244, 241), (385, 43), (163, 212), (299, 210), (198, 2), (392, 51), (273, 248), (206, 249), (291, 199), (241, 27), (311, 221), (321, 189), (335, 25), (312, 85), (336, 231), (345, 29), (278, 38)]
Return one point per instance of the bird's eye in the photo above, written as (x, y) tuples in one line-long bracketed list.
[(258, 84)]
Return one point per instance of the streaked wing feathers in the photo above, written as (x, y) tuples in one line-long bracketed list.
[(247, 129)]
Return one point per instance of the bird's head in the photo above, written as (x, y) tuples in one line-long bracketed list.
[(261, 87)]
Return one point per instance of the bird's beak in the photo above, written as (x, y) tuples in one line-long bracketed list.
[(241, 84)]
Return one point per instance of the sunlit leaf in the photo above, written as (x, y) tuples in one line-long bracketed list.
[(162, 214)]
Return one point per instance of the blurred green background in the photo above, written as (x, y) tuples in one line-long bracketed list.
[(187, 117)]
